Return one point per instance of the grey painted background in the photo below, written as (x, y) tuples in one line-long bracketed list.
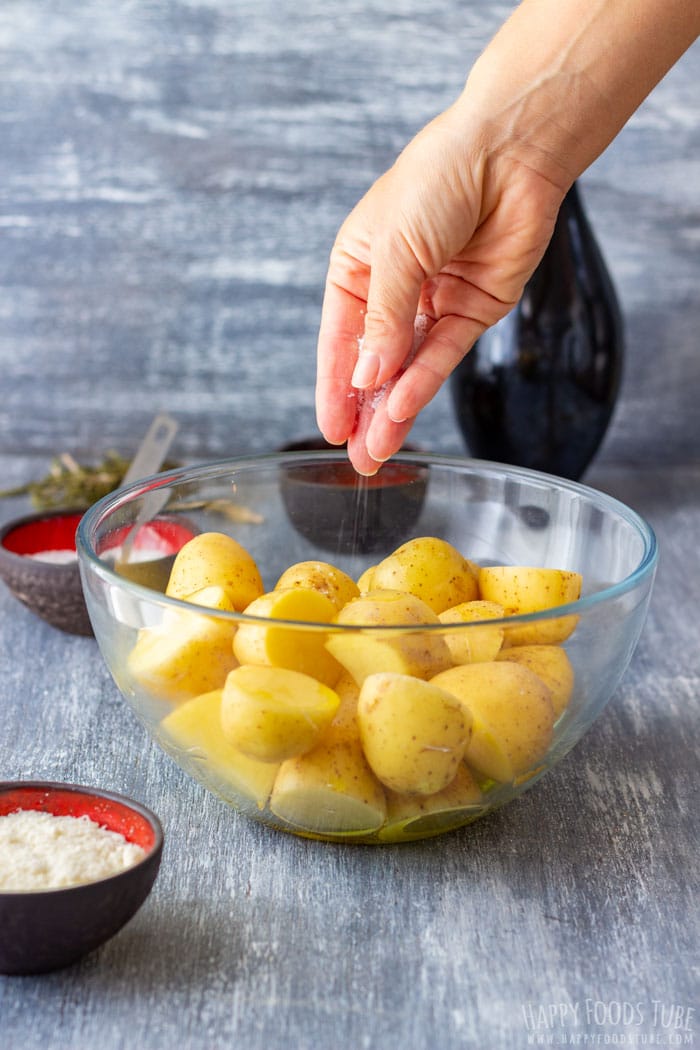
[(172, 175)]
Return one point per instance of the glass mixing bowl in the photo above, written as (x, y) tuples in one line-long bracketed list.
[(364, 697)]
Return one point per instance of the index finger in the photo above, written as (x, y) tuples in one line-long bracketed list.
[(340, 332)]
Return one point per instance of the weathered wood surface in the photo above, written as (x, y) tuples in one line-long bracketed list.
[(171, 177)]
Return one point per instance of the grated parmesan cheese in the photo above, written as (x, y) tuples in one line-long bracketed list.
[(40, 851)]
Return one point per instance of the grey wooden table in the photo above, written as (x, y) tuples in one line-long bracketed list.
[(171, 178)]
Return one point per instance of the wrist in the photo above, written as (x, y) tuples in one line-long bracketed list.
[(561, 77)]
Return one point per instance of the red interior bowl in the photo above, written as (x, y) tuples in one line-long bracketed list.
[(53, 589), (44, 930), (36, 534), (107, 810)]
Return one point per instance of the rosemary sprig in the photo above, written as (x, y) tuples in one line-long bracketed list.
[(69, 484), (235, 512)]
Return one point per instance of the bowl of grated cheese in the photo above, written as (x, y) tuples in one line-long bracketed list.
[(76, 864)]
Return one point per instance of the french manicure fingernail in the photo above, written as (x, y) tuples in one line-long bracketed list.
[(366, 371), (377, 459), (395, 417)]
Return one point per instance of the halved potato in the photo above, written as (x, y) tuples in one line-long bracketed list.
[(272, 713), (413, 734), (511, 714), (215, 559), (320, 576), (331, 789), (550, 663), (280, 645), (188, 653), (527, 589), (472, 645), (420, 653), (195, 726), (415, 816)]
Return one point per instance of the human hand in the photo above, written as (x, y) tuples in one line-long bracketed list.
[(450, 234)]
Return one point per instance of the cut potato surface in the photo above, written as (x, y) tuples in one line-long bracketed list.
[(189, 653), (550, 663), (196, 726), (277, 645), (271, 713), (472, 645), (511, 712)]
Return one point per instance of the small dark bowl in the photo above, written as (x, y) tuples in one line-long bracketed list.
[(52, 590), (365, 515), (46, 930)]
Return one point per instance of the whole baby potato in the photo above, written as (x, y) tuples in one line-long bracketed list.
[(550, 663), (430, 568), (472, 645), (420, 653), (215, 559), (527, 589), (413, 733), (281, 645), (320, 576), (272, 713), (511, 713)]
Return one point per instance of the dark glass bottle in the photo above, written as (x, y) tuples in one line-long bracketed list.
[(538, 389)]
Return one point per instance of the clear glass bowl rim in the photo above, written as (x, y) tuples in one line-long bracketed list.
[(484, 468)]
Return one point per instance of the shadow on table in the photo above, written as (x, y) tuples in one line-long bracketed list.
[(571, 848)]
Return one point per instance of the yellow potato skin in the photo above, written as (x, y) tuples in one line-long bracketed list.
[(422, 653), (431, 569), (413, 734), (271, 713), (320, 576), (189, 653), (523, 589), (297, 649), (474, 644), (511, 713), (196, 726), (364, 582), (386, 608), (215, 559), (331, 789), (550, 663)]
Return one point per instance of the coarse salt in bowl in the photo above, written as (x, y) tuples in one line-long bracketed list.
[(39, 563)]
